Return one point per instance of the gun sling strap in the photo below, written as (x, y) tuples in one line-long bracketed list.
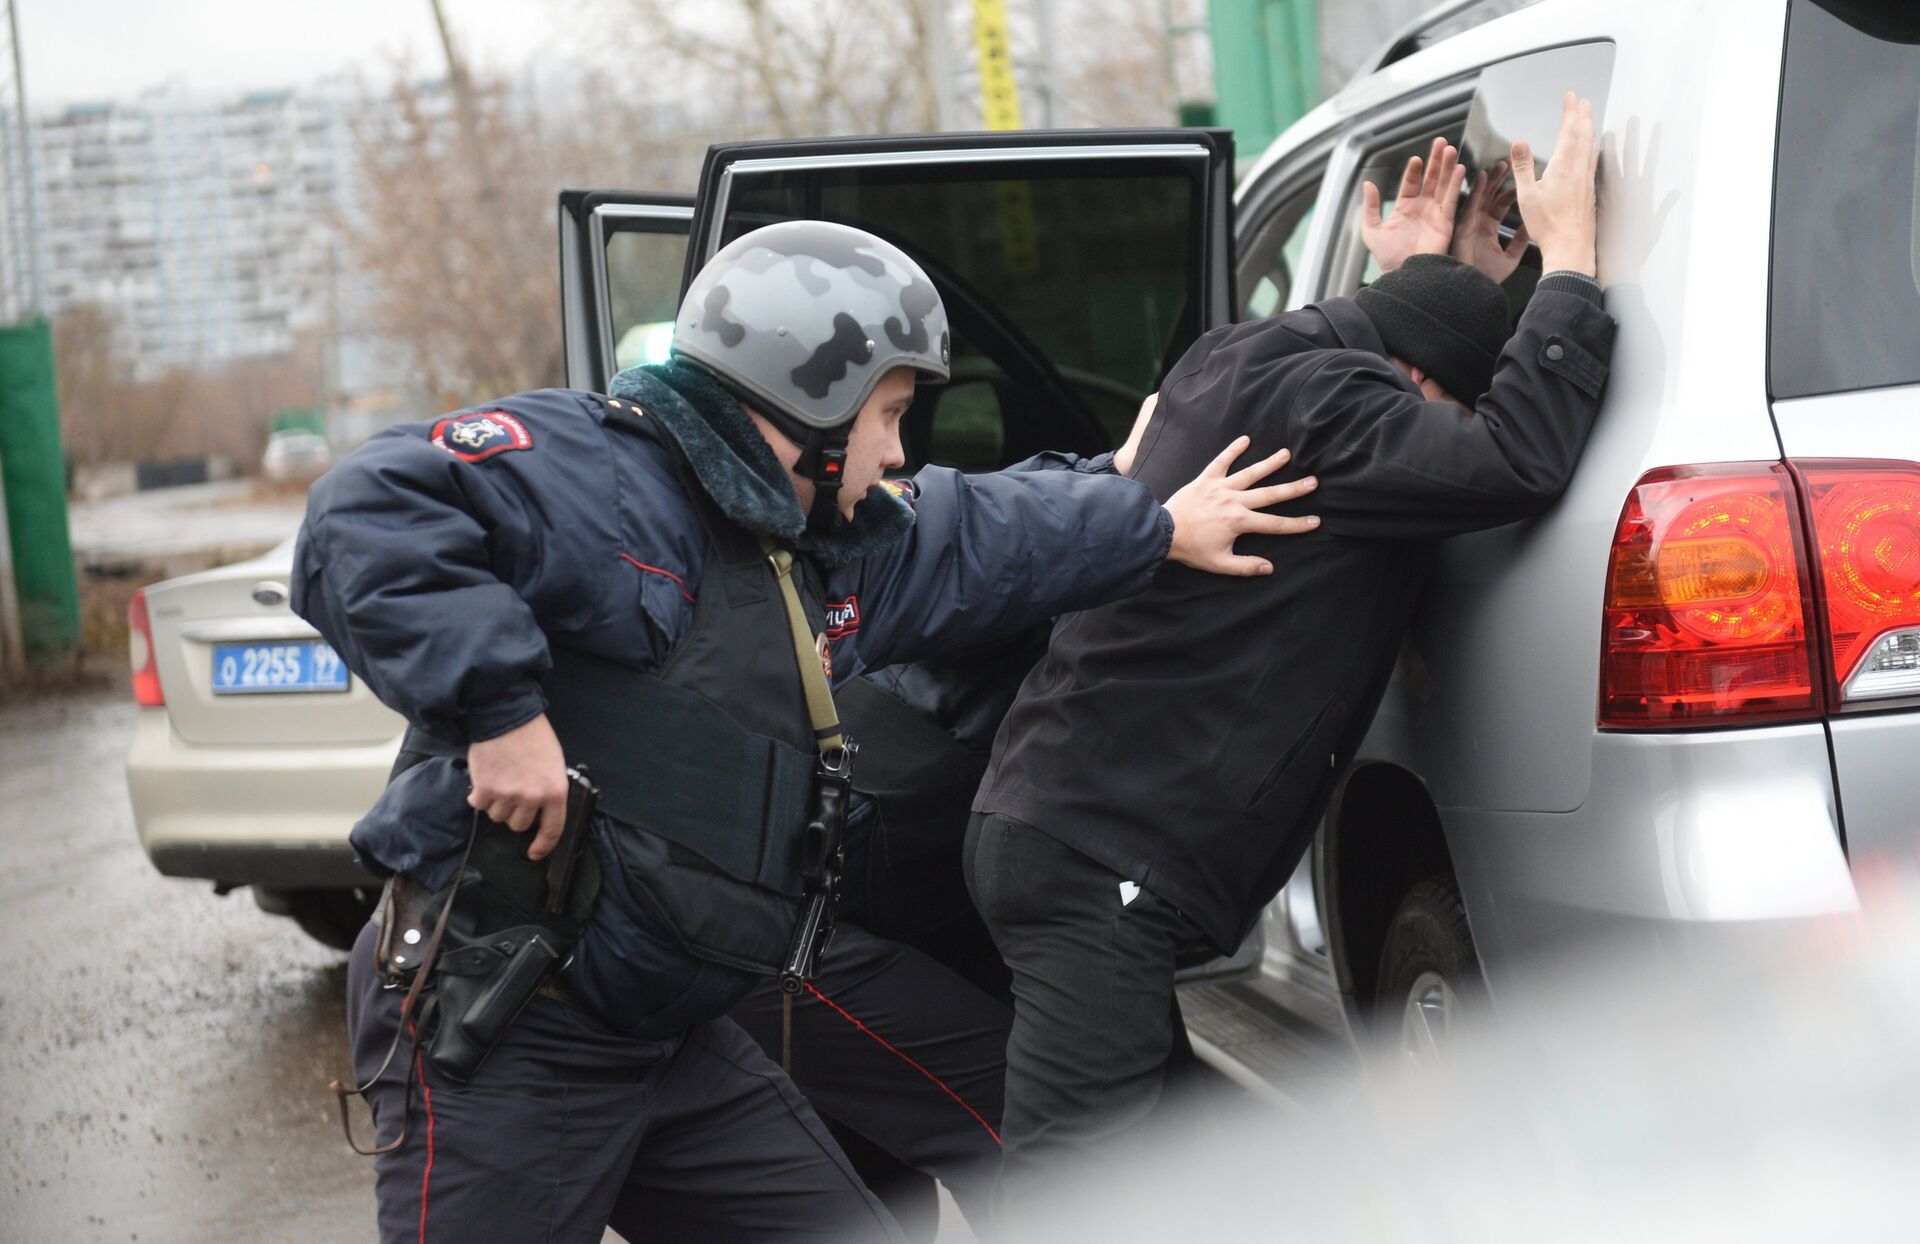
[(826, 722)]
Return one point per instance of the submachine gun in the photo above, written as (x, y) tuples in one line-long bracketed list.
[(823, 854)]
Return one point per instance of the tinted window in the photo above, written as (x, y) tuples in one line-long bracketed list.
[(1070, 287), (1846, 208)]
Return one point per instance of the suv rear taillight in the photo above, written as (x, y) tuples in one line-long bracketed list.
[(146, 672), (1866, 527), (1706, 607), (1711, 588)]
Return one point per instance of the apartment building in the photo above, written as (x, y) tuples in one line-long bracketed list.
[(208, 228)]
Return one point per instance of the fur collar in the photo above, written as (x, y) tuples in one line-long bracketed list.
[(736, 468)]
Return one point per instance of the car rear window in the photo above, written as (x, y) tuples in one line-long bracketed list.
[(1070, 285), (1846, 208)]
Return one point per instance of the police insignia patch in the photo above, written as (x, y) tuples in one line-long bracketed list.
[(900, 488), (480, 435)]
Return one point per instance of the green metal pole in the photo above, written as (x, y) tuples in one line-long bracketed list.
[(1266, 63), (36, 493)]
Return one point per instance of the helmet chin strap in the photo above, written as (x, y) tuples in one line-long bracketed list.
[(823, 460)]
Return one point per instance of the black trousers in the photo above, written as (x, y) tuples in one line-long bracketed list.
[(903, 1052), (569, 1128), (1095, 1024)]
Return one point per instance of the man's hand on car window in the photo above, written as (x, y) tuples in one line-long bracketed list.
[(1559, 207), (1214, 509), (1421, 222), (1476, 237), (520, 778)]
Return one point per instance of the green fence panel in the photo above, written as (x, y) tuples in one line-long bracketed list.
[(1266, 64), (36, 492)]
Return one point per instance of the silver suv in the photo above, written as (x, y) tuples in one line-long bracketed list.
[(1681, 701)]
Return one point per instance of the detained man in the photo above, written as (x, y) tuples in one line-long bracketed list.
[(1167, 762)]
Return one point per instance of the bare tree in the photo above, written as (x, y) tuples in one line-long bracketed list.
[(776, 68), (1115, 69), (107, 415), (468, 296)]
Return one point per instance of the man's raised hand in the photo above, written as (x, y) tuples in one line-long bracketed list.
[(1559, 207), (1421, 222), (1215, 508), (1476, 238)]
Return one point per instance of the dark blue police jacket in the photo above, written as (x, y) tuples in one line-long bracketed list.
[(441, 558)]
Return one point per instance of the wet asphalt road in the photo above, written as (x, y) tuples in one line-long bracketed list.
[(164, 1052)]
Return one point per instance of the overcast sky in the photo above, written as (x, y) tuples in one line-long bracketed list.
[(113, 49)]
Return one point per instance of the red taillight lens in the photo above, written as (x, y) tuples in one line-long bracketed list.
[(146, 674), (1866, 524), (1706, 609)]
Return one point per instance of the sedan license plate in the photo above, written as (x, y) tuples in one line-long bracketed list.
[(302, 665)]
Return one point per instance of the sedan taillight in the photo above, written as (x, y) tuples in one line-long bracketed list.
[(146, 672), (1706, 609)]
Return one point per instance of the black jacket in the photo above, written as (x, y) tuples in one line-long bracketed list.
[(1190, 737)]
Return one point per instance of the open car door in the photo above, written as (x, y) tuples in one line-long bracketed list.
[(623, 256), (1076, 266)]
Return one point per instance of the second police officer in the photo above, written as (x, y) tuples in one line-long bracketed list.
[(562, 576)]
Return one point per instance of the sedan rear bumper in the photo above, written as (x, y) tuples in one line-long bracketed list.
[(274, 816)]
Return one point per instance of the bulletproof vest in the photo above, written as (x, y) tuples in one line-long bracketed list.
[(706, 766)]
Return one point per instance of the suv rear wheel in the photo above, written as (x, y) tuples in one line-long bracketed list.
[(1428, 971)]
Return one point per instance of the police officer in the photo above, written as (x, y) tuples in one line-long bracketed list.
[(563, 576)]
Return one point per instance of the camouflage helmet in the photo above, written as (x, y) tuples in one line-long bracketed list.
[(802, 319)]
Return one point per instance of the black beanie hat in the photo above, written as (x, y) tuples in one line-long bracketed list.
[(1445, 317)]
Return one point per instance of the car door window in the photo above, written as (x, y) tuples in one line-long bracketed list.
[(1070, 286), (1513, 99), (1846, 202), (1269, 262), (645, 261)]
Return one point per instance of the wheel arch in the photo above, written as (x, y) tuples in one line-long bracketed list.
[(1381, 836)]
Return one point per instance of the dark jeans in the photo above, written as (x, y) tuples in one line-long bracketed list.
[(570, 1127), (1095, 1021)]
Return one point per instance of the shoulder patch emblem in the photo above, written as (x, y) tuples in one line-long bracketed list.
[(480, 435), (902, 489), (843, 617)]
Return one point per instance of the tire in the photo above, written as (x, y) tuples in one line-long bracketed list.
[(1429, 972), (331, 917)]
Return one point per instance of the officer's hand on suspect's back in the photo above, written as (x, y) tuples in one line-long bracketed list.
[(1559, 207), (520, 779), (1214, 509), (1421, 222)]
